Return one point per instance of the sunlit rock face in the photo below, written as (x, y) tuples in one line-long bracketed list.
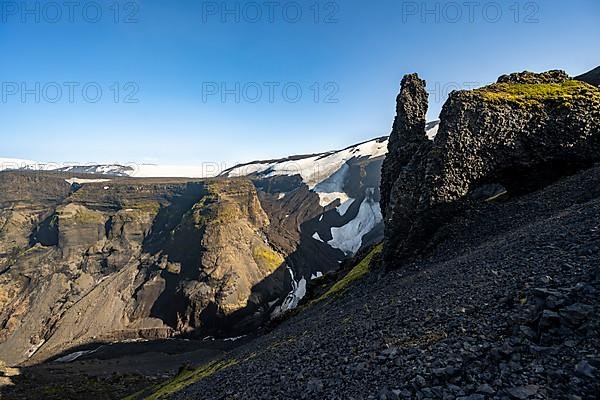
[(124, 259)]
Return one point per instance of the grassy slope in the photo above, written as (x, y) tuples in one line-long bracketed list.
[(183, 379), (361, 269)]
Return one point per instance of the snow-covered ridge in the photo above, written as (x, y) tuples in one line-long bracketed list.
[(115, 170), (313, 169), (93, 169), (324, 173)]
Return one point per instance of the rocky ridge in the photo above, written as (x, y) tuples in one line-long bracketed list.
[(504, 139)]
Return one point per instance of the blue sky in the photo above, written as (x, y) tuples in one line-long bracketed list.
[(178, 50)]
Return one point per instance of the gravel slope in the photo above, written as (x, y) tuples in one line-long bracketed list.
[(507, 307)]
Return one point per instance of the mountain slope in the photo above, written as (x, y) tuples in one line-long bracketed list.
[(196, 257), (324, 207), (464, 321)]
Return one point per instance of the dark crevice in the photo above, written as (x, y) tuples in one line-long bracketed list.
[(520, 180), (46, 233)]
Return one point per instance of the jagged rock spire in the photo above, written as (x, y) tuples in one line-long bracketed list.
[(408, 133)]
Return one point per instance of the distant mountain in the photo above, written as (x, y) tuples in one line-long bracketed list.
[(15, 164), (111, 170), (592, 77), (314, 168)]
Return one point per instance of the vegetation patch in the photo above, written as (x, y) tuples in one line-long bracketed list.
[(151, 207), (266, 259), (82, 215), (360, 270), (531, 95), (184, 378)]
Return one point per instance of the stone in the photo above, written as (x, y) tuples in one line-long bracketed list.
[(549, 319), (485, 389), (315, 385), (523, 392), (576, 314), (584, 369)]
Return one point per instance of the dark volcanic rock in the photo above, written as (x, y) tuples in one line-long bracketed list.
[(526, 77), (521, 133), (408, 134), (592, 77)]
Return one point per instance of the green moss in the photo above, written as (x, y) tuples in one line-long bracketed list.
[(184, 379), (227, 212), (266, 259), (151, 207), (360, 270), (85, 216), (531, 95)]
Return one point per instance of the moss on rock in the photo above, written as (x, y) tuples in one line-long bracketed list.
[(266, 259), (531, 95)]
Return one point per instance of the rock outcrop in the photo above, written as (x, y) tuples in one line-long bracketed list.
[(519, 134), (127, 259)]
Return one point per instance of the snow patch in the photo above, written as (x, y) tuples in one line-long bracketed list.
[(343, 209), (317, 237), (332, 188), (280, 196), (33, 349), (294, 296), (431, 134), (80, 181), (318, 275), (234, 339), (326, 199), (348, 238), (78, 354)]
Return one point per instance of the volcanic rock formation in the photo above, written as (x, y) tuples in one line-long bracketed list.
[(507, 138)]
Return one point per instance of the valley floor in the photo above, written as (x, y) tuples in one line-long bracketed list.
[(506, 307)]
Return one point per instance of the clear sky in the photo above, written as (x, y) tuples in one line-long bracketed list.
[(171, 59)]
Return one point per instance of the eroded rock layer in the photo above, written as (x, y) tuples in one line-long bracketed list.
[(126, 259)]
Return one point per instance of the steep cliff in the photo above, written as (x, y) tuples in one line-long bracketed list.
[(504, 139), (125, 259)]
